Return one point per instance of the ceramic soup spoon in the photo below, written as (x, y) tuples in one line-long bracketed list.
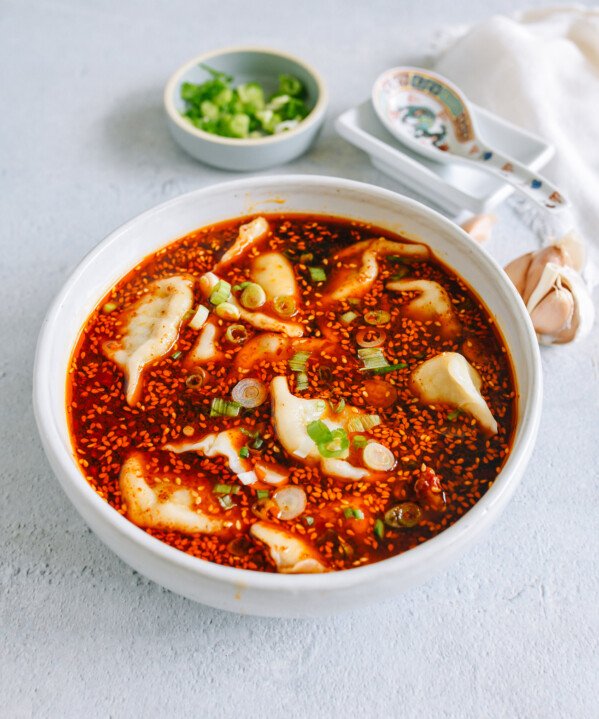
[(428, 114)]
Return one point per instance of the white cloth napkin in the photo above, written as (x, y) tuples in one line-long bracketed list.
[(540, 69)]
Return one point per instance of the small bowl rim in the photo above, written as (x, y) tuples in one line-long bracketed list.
[(71, 477), (312, 118)]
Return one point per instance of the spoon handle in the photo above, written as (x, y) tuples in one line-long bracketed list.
[(533, 185)]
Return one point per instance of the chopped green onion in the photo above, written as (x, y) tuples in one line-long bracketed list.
[(454, 414), (359, 441), (319, 432), (379, 529), (402, 272), (194, 381), (257, 443), (306, 257), (176, 354), (301, 382), (285, 305), (373, 358), (253, 296), (317, 274), (220, 293), (226, 502), (363, 423), (378, 457), (353, 513), (198, 318), (390, 368), (244, 452), (348, 317), (220, 407), (240, 286), (336, 446), (109, 307), (228, 311), (354, 301), (309, 520), (377, 317), (225, 489), (249, 393), (298, 362), (370, 337), (262, 493), (406, 514), (236, 334), (339, 407), (399, 260)]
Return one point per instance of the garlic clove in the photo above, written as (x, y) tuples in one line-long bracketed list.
[(548, 314), (517, 269), (554, 313), (573, 245), (480, 227), (548, 255)]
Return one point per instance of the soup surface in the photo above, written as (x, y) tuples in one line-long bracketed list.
[(291, 393)]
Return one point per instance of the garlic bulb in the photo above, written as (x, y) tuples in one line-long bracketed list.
[(555, 295)]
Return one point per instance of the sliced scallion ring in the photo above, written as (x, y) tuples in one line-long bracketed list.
[(377, 317), (253, 296), (285, 305), (249, 393), (291, 502), (378, 457), (220, 292), (236, 334), (370, 337)]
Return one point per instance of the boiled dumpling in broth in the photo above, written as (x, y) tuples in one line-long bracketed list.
[(290, 553), (450, 379), (431, 303), (165, 505), (151, 328)]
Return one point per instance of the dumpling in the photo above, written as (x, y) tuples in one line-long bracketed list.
[(291, 416), (259, 320), (205, 348), (224, 444), (274, 273), (448, 378), (432, 303), (290, 553), (356, 266), (151, 328), (248, 235), (165, 505)]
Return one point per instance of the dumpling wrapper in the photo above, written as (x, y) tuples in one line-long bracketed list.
[(354, 275), (450, 379), (220, 444), (432, 303), (291, 416), (166, 505), (151, 330), (290, 553), (205, 348), (227, 444), (274, 273), (248, 235)]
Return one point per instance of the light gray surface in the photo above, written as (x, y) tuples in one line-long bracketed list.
[(509, 631)]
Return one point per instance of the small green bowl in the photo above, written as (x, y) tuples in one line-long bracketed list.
[(246, 64)]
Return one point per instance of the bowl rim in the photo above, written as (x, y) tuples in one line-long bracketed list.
[(313, 117), (70, 474)]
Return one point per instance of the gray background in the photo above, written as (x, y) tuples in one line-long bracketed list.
[(508, 631)]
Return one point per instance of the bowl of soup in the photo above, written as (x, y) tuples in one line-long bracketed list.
[(288, 396)]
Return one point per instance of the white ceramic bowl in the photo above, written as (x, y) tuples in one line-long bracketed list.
[(246, 64), (241, 590)]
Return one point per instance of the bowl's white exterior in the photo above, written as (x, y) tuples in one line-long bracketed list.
[(245, 64), (255, 592)]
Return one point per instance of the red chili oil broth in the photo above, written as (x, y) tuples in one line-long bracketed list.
[(105, 430)]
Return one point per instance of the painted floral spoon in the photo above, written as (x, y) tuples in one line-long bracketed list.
[(428, 114)]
